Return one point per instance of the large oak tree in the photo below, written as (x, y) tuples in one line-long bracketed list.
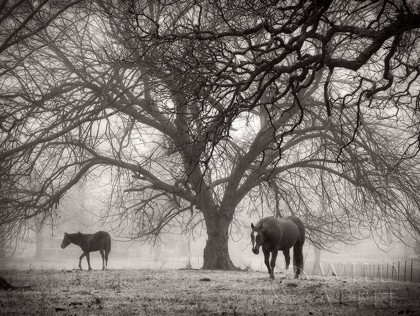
[(201, 109)]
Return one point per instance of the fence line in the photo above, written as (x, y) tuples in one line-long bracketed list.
[(403, 270)]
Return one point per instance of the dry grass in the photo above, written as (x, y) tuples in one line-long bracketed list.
[(197, 292)]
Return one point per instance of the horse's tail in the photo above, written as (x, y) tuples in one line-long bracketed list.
[(298, 247), (108, 244)]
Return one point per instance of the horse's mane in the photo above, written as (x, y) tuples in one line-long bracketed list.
[(263, 220)]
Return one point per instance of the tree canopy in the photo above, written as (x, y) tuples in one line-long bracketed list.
[(200, 110)]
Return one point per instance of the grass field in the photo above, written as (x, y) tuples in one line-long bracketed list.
[(199, 292)]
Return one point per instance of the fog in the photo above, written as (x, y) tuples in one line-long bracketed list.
[(80, 211), (178, 251)]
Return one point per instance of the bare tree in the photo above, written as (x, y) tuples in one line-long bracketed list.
[(194, 107), (20, 24), (22, 20)]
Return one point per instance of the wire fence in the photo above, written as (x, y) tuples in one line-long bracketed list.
[(404, 270)]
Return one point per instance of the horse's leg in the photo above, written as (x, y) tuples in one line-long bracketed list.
[(103, 258), (80, 260), (106, 259), (273, 261), (266, 260), (298, 259), (286, 254), (88, 260)]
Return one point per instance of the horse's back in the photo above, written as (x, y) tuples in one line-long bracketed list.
[(101, 234), (100, 241), (291, 224), (295, 220)]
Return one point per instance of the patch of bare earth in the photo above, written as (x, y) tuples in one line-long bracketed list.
[(198, 292)]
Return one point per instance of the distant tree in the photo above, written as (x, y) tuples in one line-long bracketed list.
[(21, 22), (201, 109), (39, 240), (2, 244)]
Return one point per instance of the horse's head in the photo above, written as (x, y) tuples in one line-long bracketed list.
[(257, 240), (66, 241)]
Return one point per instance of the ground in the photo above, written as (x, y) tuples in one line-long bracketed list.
[(200, 292)]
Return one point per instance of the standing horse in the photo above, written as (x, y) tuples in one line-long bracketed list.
[(90, 242), (279, 234)]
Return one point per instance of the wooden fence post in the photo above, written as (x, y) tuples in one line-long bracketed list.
[(411, 274), (392, 278)]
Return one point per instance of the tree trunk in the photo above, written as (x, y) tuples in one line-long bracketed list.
[(39, 244), (317, 260), (2, 249), (2, 243), (216, 252)]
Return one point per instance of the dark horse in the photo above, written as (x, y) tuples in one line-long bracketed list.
[(279, 234), (90, 242)]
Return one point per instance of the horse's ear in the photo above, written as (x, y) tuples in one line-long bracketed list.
[(252, 226), (65, 234)]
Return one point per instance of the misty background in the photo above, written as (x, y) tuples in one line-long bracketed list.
[(82, 210), (174, 126)]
